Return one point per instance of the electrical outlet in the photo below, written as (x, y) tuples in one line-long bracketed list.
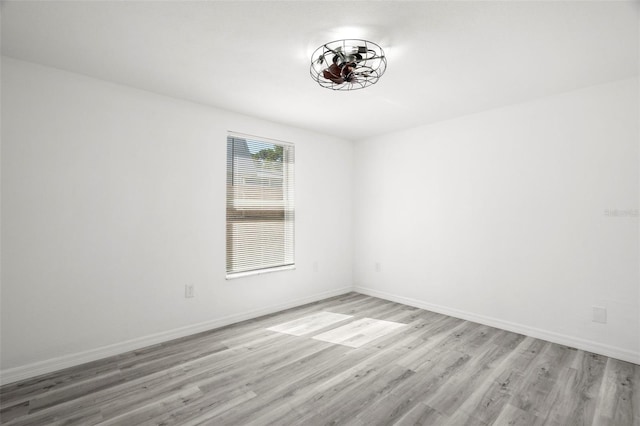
[(315, 266), (378, 267), (189, 291), (599, 314)]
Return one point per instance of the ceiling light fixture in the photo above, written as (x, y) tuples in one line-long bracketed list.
[(348, 64)]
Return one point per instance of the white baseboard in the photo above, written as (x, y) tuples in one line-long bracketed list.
[(50, 365), (574, 342)]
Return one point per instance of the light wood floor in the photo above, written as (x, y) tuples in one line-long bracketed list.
[(436, 370)]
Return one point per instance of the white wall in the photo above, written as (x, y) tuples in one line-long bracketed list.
[(114, 198), (499, 217)]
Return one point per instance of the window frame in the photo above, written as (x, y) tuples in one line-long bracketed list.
[(288, 208)]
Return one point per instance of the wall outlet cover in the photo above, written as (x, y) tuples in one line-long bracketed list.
[(599, 314), (189, 291)]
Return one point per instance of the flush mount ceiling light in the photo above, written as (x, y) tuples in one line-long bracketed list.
[(348, 64)]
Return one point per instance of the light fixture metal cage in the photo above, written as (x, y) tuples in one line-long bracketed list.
[(348, 64)]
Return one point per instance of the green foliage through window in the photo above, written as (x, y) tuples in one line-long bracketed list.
[(269, 154)]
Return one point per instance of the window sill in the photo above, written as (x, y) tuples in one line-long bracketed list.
[(260, 272)]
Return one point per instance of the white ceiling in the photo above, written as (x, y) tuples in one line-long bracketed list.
[(445, 59)]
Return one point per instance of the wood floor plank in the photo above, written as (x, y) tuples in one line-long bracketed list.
[(209, 415), (75, 390), (359, 332), (541, 378), (324, 376), (444, 340), (573, 399), (487, 399), (514, 416), (337, 404), (483, 363), (320, 384), (154, 408), (310, 323), (421, 414), (615, 404), (417, 388), (367, 395), (25, 390), (430, 369)]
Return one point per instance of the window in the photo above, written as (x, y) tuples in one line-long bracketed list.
[(260, 209)]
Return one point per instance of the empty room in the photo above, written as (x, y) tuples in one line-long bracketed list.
[(320, 212)]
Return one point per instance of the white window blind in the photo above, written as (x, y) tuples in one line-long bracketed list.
[(260, 205)]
